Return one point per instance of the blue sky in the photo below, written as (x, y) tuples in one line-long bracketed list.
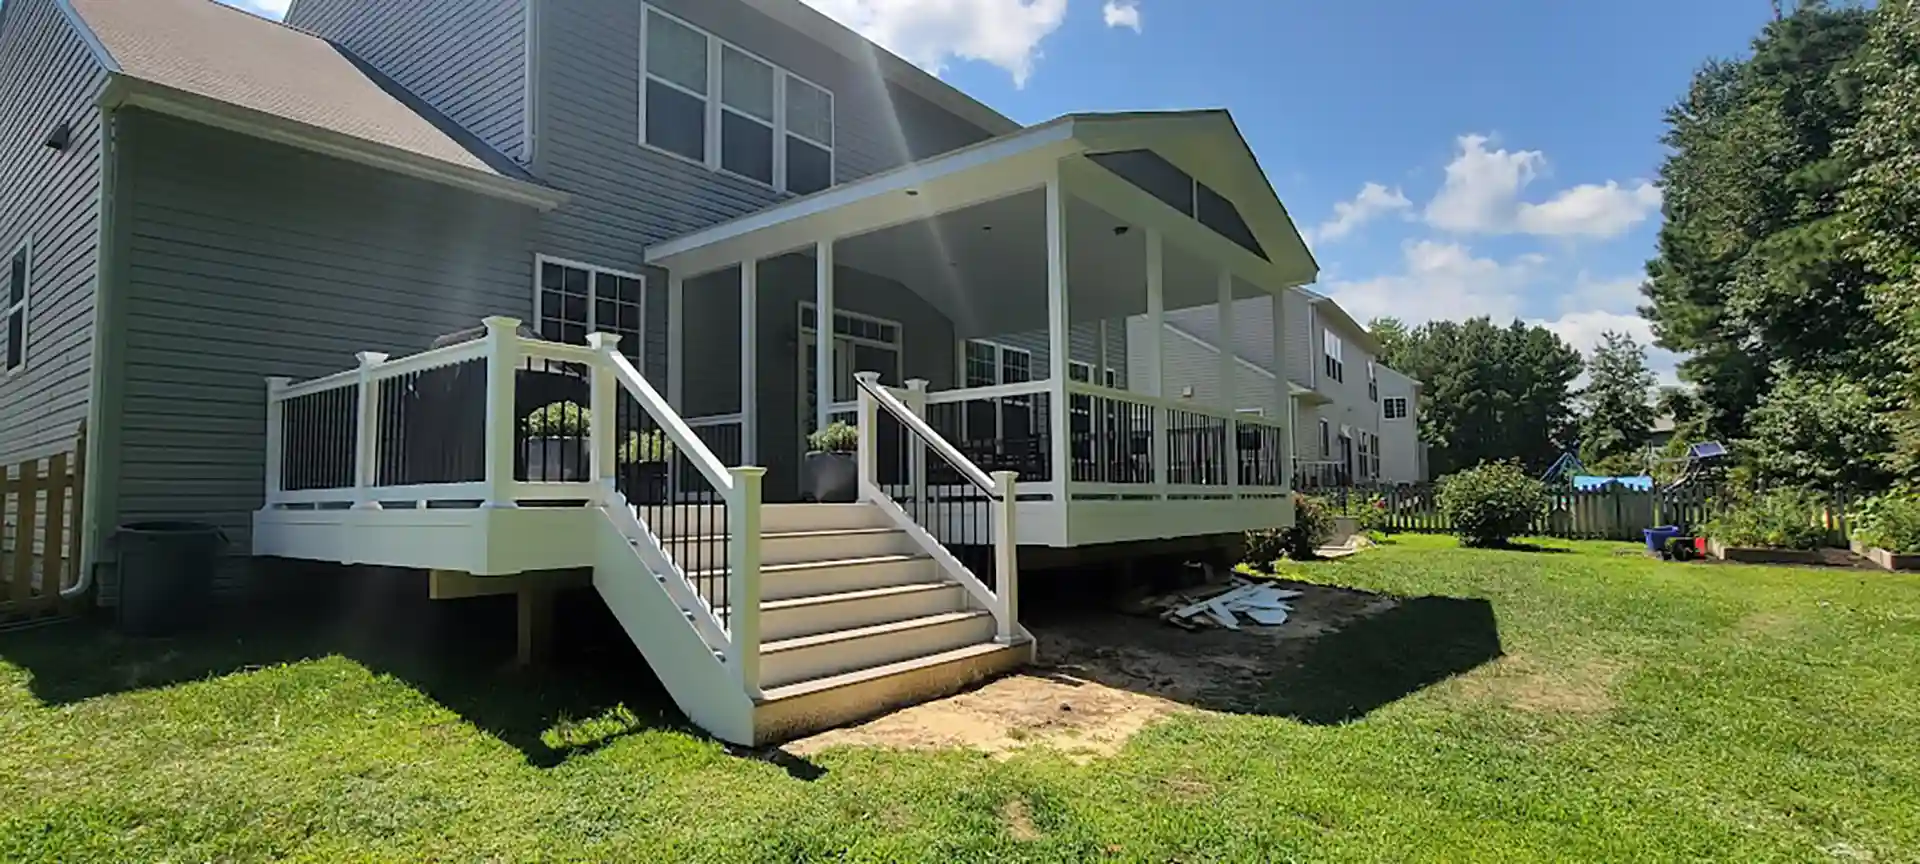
[(1445, 159)]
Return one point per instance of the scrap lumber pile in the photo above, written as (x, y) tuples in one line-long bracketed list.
[(1223, 606)]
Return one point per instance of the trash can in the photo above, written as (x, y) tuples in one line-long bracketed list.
[(166, 575), (1658, 538)]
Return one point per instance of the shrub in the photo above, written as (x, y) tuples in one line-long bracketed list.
[(1892, 523), (1781, 519), (836, 438), (559, 420), (1491, 503), (1312, 525), (651, 447)]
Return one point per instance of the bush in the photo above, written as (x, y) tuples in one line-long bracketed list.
[(836, 438), (1891, 523), (1781, 519), (1492, 503), (559, 420), (1312, 525)]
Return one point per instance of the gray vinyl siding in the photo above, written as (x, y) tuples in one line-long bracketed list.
[(467, 58), (627, 196), (1191, 369), (245, 259), (1302, 359), (50, 200)]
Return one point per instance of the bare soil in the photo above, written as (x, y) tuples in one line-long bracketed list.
[(1100, 677)]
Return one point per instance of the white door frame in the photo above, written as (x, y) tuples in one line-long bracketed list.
[(805, 353)]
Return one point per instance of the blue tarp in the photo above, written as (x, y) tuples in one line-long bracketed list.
[(1583, 483)]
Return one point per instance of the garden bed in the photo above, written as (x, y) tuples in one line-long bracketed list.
[(1885, 560), (1754, 555)]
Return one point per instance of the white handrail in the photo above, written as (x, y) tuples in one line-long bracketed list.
[(677, 430), (870, 382), (997, 391)]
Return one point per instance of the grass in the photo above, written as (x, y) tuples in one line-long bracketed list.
[(1642, 711)]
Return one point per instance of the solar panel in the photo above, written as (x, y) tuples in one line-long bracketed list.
[(1707, 450)]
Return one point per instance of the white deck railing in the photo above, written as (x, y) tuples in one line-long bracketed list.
[(445, 428), (966, 512)]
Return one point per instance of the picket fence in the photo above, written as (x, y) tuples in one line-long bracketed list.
[(1606, 514)]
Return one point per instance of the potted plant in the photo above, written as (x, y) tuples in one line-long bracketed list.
[(831, 474), (555, 450), (1889, 532), (644, 460)]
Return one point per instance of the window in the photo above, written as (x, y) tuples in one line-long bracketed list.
[(1395, 408), (708, 101), (989, 364), (17, 275), (1375, 450), (1163, 180), (1326, 440), (1373, 383), (575, 299), (1336, 367)]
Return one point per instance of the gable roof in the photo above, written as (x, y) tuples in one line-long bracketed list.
[(221, 66)]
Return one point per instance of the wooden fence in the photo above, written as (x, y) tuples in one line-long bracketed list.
[(1614, 513), (41, 507)]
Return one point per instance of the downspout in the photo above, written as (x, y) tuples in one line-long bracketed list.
[(99, 432)]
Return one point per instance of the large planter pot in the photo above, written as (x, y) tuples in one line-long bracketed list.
[(646, 482), (556, 460), (830, 478)]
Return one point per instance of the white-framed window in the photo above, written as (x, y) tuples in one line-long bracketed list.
[(1374, 449), (709, 101), (572, 299), (1394, 408), (1326, 440), (990, 364), (19, 276), (1373, 382), (1335, 365)]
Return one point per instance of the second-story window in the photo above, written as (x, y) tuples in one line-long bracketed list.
[(1395, 408), (709, 101), (1335, 363)]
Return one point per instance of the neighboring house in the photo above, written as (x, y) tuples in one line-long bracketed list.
[(1354, 420), (212, 214)]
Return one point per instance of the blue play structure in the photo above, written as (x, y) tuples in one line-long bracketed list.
[(1568, 468)]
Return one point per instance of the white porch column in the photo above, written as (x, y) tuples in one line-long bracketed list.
[(749, 362), (604, 453), (1228, 372), (1155, 348), (1058, 345), (823, 333), (503, 368), (1284, 394), (676, 342)]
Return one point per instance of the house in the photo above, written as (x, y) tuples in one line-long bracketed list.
[(311, 282), (1354, 420)]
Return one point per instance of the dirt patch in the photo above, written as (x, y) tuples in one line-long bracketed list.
[(1081, 718), (1019, 821), (1581, 689), (1099, 678)]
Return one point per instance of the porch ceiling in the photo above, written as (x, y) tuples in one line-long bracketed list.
[(985, 266)]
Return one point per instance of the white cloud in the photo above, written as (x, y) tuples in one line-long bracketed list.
[(930, 33), (1123, 13), (1482, 196), (1441, 281), (1583, 330), (1373, 201)]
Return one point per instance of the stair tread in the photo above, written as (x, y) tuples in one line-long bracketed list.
[(852, 633), (850, 596), (794, 535), (800, 566), (859, 676)]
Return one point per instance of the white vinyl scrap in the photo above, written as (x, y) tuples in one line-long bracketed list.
[(1266, 604)]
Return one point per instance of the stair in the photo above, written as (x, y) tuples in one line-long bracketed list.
[(856, 620)]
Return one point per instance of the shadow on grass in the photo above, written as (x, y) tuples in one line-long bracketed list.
[(1521, 546), (1342, 655), (595, 689)]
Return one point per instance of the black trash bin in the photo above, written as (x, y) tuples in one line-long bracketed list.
[(166, 575)]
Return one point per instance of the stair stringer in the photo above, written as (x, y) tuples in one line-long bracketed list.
[(704, 687)]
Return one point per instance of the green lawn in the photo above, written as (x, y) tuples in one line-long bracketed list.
[(1642, 711)]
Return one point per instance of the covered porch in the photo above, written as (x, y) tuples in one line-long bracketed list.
[(989, 289)]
